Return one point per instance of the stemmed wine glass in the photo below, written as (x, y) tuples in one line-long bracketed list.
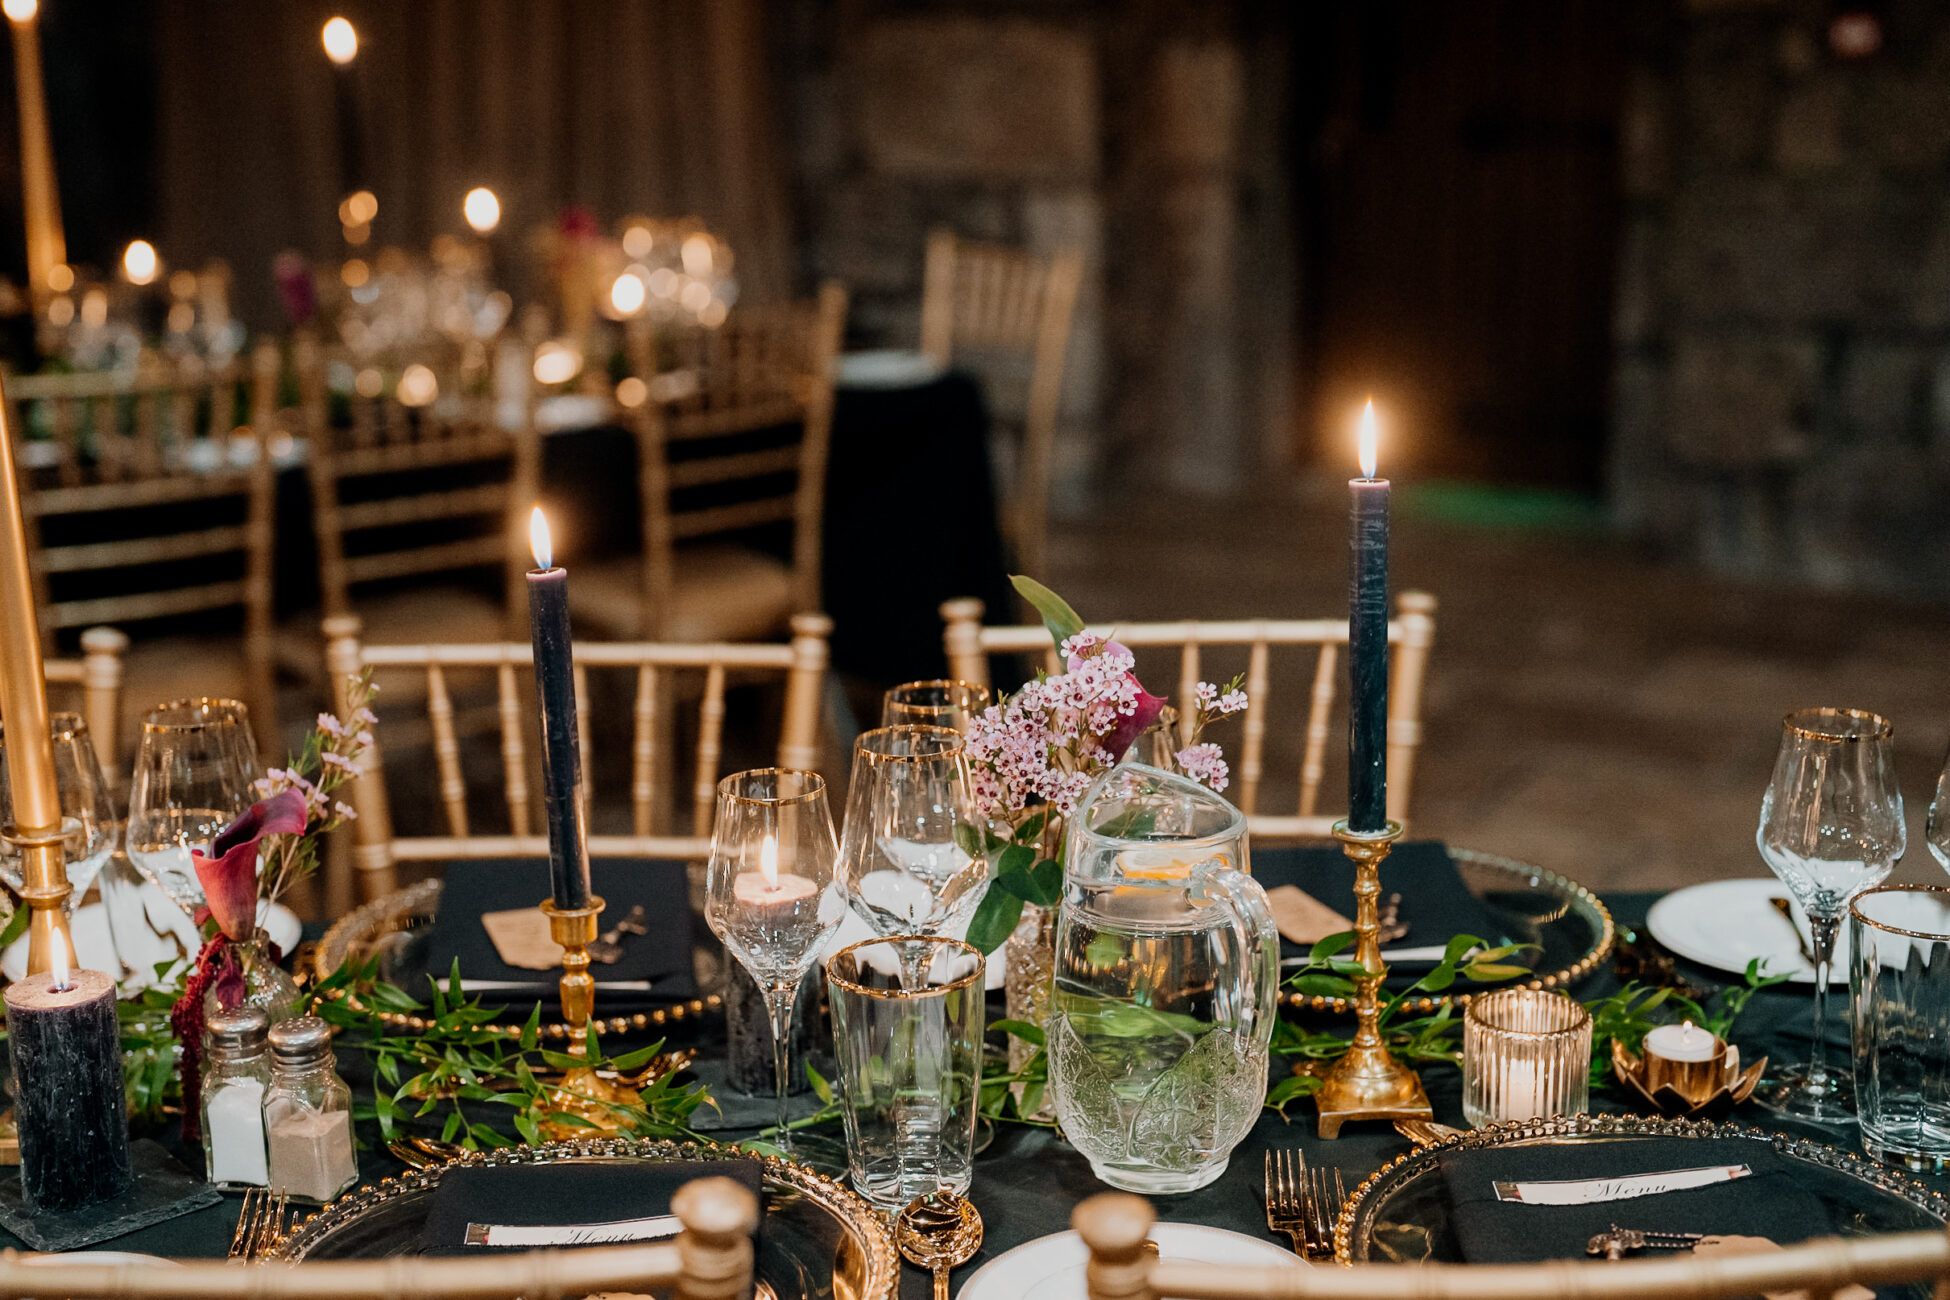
[(933, 704), (88, 826), (1831, 826), (770, 895), (1936, 830), (908, 812), (194, 775)]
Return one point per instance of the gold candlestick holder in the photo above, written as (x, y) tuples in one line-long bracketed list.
[(574, 929), (45, 890), (1368, 1082)]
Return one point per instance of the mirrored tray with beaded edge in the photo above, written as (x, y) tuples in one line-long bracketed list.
[(819, 1240), (394, 929), (1570, 931), (1400, 1214)]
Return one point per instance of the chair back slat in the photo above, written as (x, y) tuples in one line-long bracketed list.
[(99, 675), (1313, 764), (643, 749), (968, 645), (710, 746), (799, 666), (103, 455), (1252, 749), (586, 727), (446, 750)]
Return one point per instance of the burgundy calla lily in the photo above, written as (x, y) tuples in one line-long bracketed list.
[(1129, 728), (229, 878)]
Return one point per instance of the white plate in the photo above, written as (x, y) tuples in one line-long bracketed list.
[(1727, 923), (96, 948), (887, 368), (1051, 1268)]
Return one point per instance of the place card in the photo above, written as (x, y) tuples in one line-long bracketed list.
[(572, 1234), (521, 938), (1592, 1191), (1302, 918)]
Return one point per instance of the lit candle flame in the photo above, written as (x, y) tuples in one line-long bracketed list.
[(139, 261), (768, 861), (1686, 1026), (21, 11), (627, 294), (538, 540), (341, 41), (482, 210), (1368, 438), (57, 975)]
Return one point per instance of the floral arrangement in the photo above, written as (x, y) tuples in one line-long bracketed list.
[(260, 856), (1032, 756)]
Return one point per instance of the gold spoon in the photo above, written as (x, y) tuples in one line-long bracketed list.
[(939, 1231)]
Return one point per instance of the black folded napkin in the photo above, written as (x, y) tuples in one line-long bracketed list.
[(1435, 902), (662, 957), (1768, 1202), (602, 1197)]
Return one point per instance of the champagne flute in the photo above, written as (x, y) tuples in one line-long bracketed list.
[(1831, 826), (769, 891), (908, 813), (88, 826), (939, 703), (195, 771)]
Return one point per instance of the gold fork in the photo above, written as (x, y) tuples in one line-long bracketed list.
[(1324, 1207), (260, 1223), (1286, 1209)]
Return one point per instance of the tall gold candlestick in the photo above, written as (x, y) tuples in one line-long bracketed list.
[(574, 929), (47, 247), (30, 749), (1368, 1082)]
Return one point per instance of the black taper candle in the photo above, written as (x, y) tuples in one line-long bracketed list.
[(66, 1050), (548, 622), (1367, 642)]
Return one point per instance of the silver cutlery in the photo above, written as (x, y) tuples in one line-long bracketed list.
[(608, 947)]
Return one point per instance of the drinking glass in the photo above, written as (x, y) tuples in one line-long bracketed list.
[(908, 812), (1831, 826), (1936, 829), (88, 825), (909, 1056), (1899, 986), (933, 704), (1526, 1053), (769, 891), (194, 774)]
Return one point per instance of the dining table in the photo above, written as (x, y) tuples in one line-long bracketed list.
[(1028, 1180)]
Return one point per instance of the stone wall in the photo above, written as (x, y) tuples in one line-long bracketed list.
[(1136, 130), (1782, 387)]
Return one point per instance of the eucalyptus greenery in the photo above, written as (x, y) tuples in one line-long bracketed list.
[(478, 1082)]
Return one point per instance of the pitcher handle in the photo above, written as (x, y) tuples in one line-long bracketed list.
[(1259, 943)]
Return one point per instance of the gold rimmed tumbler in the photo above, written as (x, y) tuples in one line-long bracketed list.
[(939, 703), (907, 1037), (1526, 1054), (769, 891)]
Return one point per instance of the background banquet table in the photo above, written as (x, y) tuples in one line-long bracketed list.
[(1028, 1181)]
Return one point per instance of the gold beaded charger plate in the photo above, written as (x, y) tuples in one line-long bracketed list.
[(1568, 929), (393, 929), (1400, 1214), (819, 1241)]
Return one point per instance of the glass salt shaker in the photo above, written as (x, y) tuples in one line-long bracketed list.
[(308, 1114), (236, 1071)]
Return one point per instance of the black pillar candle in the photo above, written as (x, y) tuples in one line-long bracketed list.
[(548, 622), (1367, 642), (66, 1050)]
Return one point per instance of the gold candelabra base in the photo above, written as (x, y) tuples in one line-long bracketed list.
[(45, 893), (1368, 1082), (574, 929)]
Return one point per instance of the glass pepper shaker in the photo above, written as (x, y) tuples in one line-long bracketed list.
[(308, 1113), (236, 1071)]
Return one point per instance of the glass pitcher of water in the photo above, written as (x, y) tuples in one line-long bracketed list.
[(1167, 971)]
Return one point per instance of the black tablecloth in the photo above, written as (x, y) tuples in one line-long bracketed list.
[(1028, 1181), (911, 520)]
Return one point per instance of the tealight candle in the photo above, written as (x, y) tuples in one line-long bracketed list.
[(65, 1042), (765, 890), (1682, 1042), (1690, 1060)]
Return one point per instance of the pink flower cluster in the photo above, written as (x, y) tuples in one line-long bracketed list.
[(1048, 741)]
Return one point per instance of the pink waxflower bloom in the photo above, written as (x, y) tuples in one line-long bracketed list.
[(229, 879), (1232, 702), (330, 725), (1205, 764)]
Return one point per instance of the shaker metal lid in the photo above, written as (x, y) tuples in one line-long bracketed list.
[(301, 1040), (241, 1031)]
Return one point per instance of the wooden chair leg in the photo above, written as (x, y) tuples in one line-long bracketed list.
[(1115, 1226), (718, 1217)]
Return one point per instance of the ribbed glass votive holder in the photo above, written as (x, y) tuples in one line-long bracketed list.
[(1526, 1053)]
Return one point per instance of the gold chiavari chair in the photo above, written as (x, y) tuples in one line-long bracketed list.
[(1116, 1226), (1410, 634), (800, 664), (732, 441), (99, 675), (1012, 310), (422, 481), (151, 496)]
